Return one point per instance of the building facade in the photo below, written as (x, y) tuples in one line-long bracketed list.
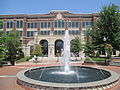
[(48, 29)]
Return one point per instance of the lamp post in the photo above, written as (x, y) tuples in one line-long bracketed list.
[(104, 39)]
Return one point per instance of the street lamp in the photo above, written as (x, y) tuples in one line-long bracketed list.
[(105, 39)]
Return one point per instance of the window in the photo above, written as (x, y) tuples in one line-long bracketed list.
[(63, 32), (35, 25), (9, 24), (45, 24), (44, 32), (30, 33), (73, 24), (31, 25), (59, 23), (86, 24), (19, 24), (77, 32), (70, 32), (28, 25), (48, 24), (55, 32)]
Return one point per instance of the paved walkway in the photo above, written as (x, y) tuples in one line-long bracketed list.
[(8, 73)]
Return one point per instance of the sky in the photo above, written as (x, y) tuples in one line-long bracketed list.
[(45, 6)]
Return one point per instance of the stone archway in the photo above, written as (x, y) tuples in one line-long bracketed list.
[(58, 46), (44, 44)]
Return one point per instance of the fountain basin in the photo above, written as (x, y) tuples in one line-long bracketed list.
[(85, 78)]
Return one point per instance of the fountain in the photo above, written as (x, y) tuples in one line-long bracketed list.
[(66, 52), (68, 78)]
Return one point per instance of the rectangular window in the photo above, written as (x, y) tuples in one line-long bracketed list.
[(48, 24), (41, 24), (70, 32), (28, 33), (59, 24), (28, 25), (35, 25), (7, 24), (55, 32), (63, 32), (19, 24), (11, 24), (32, 25), (63, 24), (32, 33), (55, 24), (69, 24), (73, 24), (77, 24), (45, 23), (83, 24)]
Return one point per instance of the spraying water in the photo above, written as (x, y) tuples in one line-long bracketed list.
[(66, 52)]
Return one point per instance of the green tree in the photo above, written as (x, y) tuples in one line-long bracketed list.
[(108, 26), (75, 45), (38, 50), (2, 48), (1, 24), (108, 50), (89, 48), (12, 44)]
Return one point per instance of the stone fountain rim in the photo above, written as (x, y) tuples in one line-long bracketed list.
[(113, 78)]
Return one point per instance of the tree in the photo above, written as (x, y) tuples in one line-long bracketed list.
[(1, 24), (2, 48), (38, 50), (76, 46), (108, 50), (12, 44), (108, 26)]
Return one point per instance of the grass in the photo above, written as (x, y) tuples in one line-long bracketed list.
[(24, 59), (96, 59)]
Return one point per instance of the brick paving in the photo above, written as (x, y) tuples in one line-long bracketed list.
[(8, 74)]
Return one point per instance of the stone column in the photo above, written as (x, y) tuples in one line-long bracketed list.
[(66, 25), (80, 26), (5, 26), (14, 25), (51, 50), (38, 28), (35, 37), (24, 31)]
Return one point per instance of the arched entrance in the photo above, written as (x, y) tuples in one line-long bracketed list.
[(44, 44), (58, 46)]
